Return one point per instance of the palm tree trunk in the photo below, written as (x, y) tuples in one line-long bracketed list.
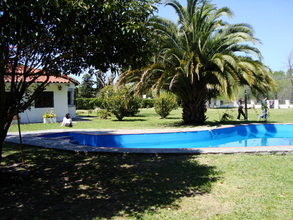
[(194, 111)]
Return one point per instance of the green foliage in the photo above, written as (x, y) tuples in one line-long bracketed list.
[(86, 88), (133, 105), (165, 103), (118, 105), (66, 37), (99, 34), (103, 113), (147, 103), (87, 103), (284, 89), (226, 117), (119, 102), (104, 95), (200, 57)]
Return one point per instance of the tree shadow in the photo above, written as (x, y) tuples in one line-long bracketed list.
[(63, 184), (83, 118), (130, 120)]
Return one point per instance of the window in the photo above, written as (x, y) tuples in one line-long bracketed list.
[(46, 100), (70, 97)]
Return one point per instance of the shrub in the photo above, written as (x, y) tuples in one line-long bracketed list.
[(165, 103), (118, 105), (147, 103), (103, 113), (104, 95), (133, 105), (226, 117), (87, 103), (119, 102)]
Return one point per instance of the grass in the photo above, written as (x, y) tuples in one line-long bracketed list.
[(65, 185), (148, 119)]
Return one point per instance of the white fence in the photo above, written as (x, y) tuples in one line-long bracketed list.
[(272, 104)]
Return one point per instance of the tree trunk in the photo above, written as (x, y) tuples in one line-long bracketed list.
[(194, 111), (4, 126), (291, 95)]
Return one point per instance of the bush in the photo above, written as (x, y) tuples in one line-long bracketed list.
[(147, 103), (226, 117), (118, 106), (119, 102), (165, 103), (87, 103), (133, 105), (103, 113), (104, 95)]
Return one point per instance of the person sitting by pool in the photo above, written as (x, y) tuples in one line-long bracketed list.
[(67, 121)]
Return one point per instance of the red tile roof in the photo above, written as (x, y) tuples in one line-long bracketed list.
[(40, 78)]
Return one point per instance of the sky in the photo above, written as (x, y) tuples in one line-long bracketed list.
[(271, 20)]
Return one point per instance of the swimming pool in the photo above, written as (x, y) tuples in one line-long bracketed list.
[(251, 135)]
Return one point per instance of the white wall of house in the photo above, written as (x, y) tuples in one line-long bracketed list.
[(61, 107)]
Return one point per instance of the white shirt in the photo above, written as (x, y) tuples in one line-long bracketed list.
[(66, 121)]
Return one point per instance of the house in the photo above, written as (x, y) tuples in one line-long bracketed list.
[(57, 97)]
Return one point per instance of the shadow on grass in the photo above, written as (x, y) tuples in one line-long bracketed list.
[(83, 118), (130, 120), (63, 185), (180, 124), (241, 122)]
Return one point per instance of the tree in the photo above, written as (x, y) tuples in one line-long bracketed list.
[(43, 38), (283, 86), (290, 64), (104, 79), (86, 89), (290, 72), (200, 57), (120, 102), (101, 80), (165, 103)]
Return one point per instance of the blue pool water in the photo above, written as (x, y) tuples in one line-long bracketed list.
[(237, 136)]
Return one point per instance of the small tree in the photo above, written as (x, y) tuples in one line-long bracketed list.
[(118, 105), (165, 103), (104, 95), (120, 102), (133, 105)]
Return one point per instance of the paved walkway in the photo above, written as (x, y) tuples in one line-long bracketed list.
[(33, 138)]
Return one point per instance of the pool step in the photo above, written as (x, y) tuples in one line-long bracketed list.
[(61, 137), (73, 142)]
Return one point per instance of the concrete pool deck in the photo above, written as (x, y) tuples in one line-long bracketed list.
[(33, 138)]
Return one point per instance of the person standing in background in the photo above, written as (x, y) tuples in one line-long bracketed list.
[(264, 108), (240, 109)]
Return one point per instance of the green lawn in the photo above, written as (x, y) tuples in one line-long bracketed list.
[(67, 185), (148, 119)]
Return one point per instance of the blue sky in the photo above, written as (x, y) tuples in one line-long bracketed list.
[(272, 22)]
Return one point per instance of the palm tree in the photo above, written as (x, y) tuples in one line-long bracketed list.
[(200, 57)]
